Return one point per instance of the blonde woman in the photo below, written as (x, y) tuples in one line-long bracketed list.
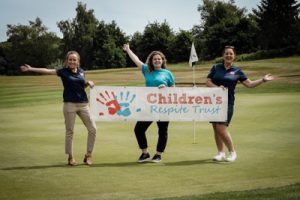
[(75, 102)]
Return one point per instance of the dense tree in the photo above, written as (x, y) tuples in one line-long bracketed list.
[(224, 23), (278, 21), (136, 45), (274, 24), (99, 44), (156, 37), (108, 46), (180, 46), (79, 35), (3, 61), (31, 44)]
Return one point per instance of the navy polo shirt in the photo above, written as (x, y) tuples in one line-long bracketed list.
[(228, 78), (74, 85)]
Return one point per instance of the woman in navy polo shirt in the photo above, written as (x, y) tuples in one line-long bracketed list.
[(156, 75), (75, 102), (226, 75)]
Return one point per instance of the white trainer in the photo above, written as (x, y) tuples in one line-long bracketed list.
[(219, 157), (231, 157)]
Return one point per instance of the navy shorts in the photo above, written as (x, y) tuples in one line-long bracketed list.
[(229, 115)]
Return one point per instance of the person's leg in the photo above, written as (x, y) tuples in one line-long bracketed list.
[(140, 133), (222, 136), (162, 136), (220, 145), (226, 138), (69, 111), (162, 140), (218, 139), (223, 133), (84, 114)]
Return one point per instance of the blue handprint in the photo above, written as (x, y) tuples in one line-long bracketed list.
[(125, 102)]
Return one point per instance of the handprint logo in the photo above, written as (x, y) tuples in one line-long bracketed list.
[(110, 101), (125, 102)]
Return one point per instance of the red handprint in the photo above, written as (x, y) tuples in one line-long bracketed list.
[(111, 103)]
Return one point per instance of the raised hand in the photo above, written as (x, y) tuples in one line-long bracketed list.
[(126, 47), (25, 68)]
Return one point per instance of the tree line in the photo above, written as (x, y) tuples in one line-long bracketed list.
[(271, 29)]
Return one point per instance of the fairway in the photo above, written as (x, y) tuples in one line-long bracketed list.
[(265, 130)]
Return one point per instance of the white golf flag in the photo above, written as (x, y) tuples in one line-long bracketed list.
[(193, 55)]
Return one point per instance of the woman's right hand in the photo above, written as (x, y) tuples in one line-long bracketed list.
[(25, 68), (132, 56), (222, 86), (161, 86), (126, 47)]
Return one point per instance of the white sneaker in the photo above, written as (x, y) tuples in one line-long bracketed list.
[(231, 157), (219, 157)]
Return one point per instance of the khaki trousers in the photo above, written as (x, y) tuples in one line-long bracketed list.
[(70, 111)]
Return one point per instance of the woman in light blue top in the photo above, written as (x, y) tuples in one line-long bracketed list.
[(156, 75)]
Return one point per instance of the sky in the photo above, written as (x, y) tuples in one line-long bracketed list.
[(130, 15)]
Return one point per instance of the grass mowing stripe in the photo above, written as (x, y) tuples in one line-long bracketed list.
[(32, 155), (265, 130), (290, 192)]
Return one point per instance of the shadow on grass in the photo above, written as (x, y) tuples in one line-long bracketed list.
[(193, 162), (124, 164), (36, 167), (120, 164)]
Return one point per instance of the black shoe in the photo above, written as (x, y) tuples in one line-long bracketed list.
[(144, 157), (156, 158)]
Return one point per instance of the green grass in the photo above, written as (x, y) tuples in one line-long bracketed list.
[(290, 192), (265, 129)]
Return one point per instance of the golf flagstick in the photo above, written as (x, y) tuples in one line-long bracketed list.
[(193, 58), (194, 86)]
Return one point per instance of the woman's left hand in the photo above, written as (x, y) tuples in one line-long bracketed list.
[(90, 83), (161, 86), (268, 77)]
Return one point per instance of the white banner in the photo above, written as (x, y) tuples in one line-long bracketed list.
[(152, 104)]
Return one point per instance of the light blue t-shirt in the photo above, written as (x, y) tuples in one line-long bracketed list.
[(157, 77)]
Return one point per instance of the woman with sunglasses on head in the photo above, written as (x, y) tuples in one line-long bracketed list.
[(227, 75)]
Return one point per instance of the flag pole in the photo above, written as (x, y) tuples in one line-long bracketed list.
[(193, 58), (194, 142), (194, 85), (194, 79)]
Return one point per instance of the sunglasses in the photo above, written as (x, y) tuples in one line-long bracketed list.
[(229, 47)]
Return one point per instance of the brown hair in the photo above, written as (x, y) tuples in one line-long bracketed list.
[(67, 57), (150, 58)]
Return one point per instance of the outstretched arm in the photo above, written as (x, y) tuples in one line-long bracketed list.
[(252, 84), (28, 68), (132, 56)]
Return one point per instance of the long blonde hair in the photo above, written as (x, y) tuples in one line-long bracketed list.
[(67, 57)]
